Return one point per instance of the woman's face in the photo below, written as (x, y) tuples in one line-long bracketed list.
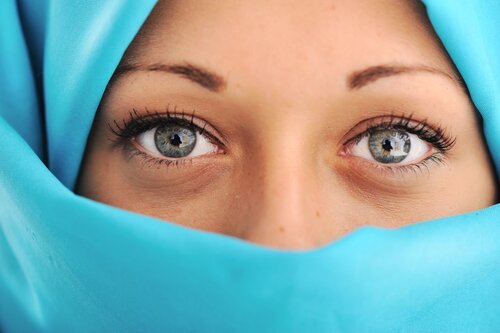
[(287, 123)]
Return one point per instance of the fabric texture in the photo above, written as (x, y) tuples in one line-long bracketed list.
[(68, 264)]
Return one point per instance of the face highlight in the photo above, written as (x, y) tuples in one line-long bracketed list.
[(287, 125)]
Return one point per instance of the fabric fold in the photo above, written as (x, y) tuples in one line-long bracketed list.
[(69, 264)]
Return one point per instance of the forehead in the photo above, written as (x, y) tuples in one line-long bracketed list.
[(287, 22), (284, 37)]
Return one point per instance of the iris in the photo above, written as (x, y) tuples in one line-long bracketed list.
[(389, 145), (176, 141)]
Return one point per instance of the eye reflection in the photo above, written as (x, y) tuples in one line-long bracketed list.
[(389, 146)]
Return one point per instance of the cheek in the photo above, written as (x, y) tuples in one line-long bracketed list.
[(473, 183), (397, 200), (210, 195), (214, 199), (197, 198)]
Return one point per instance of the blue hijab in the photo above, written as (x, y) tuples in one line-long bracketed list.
[(68, 264)]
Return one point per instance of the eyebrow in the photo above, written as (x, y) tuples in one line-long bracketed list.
[(216, 83), (196, 74), (359, 79)]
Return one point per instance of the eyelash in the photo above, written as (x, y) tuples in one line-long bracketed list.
[(137, 124), (436, 136)]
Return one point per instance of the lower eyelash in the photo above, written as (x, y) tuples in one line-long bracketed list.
[(415, 168), (137, 124), (149, 160)]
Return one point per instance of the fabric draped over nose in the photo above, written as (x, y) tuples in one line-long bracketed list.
[(68, 264)]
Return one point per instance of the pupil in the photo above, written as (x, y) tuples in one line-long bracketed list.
[(387, 145), (175, 140)]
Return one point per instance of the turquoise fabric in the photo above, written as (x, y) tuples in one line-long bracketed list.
[(68, 264)]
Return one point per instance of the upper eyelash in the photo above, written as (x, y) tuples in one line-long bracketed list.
[(438, 137), (137, 123)]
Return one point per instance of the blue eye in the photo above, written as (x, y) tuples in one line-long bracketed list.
[(391, 146), (175, 141)]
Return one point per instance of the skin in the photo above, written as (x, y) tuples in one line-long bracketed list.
[(284, 108)]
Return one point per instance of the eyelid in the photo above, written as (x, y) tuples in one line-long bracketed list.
[(389, 175)]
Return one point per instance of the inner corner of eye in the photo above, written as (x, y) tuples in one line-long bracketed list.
[(345, 149)]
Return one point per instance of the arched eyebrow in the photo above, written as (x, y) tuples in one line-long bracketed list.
[(197, 74), (359, 79), (216, 83)]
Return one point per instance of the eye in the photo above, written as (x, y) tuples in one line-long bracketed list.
[(391, 146), (176, 140)]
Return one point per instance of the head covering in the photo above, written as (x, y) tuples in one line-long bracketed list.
[(69, 264)]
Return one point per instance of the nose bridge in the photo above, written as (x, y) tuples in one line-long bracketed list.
[(288, 185), (286, 211)]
